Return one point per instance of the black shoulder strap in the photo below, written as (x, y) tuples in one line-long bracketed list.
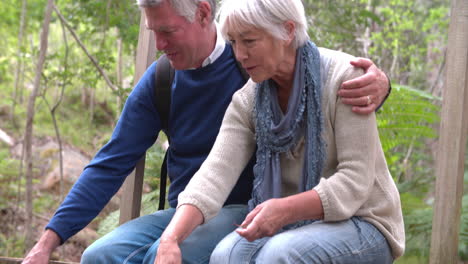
[(164, 76)]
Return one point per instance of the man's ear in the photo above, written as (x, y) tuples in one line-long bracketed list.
[(290, 27), (203, 15)]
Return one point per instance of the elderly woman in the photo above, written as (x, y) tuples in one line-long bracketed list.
[(322, 190)]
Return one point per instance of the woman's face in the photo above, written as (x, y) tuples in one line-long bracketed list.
[(259, 52)]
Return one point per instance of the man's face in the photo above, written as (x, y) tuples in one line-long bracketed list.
[(179, 39)]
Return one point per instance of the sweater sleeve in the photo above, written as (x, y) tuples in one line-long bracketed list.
[(356, 138), (135, 132), (234, 145)]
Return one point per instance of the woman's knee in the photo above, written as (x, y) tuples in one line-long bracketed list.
[(228, 250), (234, 249), (222, 251), (279, 250)]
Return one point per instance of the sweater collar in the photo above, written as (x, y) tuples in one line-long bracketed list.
[(218, 49)]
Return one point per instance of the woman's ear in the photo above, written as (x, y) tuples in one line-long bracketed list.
[(290, 27), (203, 15)]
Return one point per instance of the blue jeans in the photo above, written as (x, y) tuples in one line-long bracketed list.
[(350, 241), (137, 241)]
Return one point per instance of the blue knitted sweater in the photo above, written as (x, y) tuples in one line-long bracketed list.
[(199, 99)]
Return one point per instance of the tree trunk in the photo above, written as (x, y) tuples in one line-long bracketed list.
[(119, 75), (19, 65), (30, 120)]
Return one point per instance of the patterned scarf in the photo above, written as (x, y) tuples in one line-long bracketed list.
[(278, 133)]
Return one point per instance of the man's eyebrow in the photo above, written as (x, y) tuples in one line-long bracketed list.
[(160, 28)]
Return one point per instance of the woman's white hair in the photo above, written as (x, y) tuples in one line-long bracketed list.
[(185, 8), (268, 15)]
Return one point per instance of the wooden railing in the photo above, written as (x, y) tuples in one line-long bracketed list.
[(6, 260)]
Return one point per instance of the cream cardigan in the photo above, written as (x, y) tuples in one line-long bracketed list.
[(355, 179)]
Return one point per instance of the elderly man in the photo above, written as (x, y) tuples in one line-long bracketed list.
[(205, 80)]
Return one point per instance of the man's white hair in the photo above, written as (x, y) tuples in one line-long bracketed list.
[(185, 8), (268, 15)]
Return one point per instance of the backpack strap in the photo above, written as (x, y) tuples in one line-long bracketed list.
[(164, 76)]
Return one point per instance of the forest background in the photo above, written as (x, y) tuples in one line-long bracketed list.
[(73, 93)]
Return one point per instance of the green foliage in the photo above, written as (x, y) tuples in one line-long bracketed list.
[(418, 226), (97, 17), (411, 32), (406, 117), (406, 123), (463, 237), (12, 246), (8, 178), (336, 24)]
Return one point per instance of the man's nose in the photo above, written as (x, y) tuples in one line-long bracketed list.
[(161, 43)]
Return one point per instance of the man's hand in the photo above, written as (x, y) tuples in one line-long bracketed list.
[(41, 252), (366, 92)]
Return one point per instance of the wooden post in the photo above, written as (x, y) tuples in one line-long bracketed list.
[(132, 188), (452, 141)]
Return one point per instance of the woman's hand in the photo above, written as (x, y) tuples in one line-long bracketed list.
[(268, 217), (265, 220), (168, 253)]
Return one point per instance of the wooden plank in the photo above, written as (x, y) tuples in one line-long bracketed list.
[(452, 141), (130, 202), (6, 260)]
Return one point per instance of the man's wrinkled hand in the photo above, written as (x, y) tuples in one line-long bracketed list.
[(367, 92), (37, 255)]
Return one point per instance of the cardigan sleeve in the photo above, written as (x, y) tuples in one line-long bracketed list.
[(233, 148), (356, 139)]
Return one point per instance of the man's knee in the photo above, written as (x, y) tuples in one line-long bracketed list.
[(103, 251), (93, 254)]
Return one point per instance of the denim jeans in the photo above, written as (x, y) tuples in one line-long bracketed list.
[(137, 241), (350, 241)]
